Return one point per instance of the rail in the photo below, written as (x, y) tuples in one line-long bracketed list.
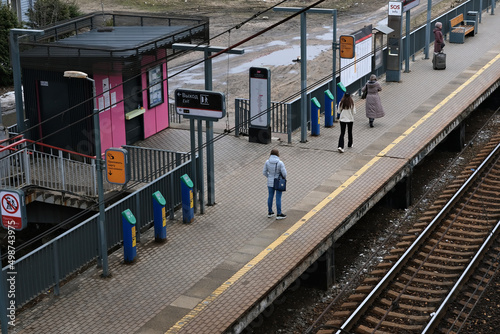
[(404, 258)]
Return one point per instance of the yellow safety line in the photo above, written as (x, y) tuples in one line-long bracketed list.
[(178, 326)]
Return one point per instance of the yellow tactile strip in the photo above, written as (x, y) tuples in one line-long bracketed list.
[(239, 299)]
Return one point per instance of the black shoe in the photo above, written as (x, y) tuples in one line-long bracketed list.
[(270, 214), (281, 216), (371, 124)]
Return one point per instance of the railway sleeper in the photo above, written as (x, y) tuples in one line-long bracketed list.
[(486, 271), (432, 274), (477, 287), (349, 305), (357, 296), (457, 234), (390, 324), (466, 304), (491, 264), (416, 231), (448, 252), (366, 289), (404, 296), (397, 251), (472, 220), (385, 265), (361, 329), (485, 280), (388, 302), (481, 202), (476, 227), (452, 245), (483, 211), (409, 238), (447, 259), (397, 315), (454, 322), (425, 281), (420, 290)]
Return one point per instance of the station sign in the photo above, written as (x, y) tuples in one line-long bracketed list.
[(117, 166), (347, 46), (200, 104), (13, 209)]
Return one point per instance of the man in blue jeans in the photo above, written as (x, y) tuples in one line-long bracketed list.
[(272, 168)]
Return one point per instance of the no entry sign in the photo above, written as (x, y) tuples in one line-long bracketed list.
[(13, 209)]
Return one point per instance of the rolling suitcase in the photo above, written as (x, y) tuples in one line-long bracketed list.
[(439, 61)]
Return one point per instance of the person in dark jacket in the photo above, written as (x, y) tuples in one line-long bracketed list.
[(272, 168), (347, 111), (438, 37), (373, 106)]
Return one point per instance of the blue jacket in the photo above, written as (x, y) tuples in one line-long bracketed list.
[(272, 165)]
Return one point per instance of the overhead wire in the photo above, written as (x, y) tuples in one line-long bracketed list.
[(220, 136)]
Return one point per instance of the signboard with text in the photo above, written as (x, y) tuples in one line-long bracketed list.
[(260, 96), (117, 166), (13, 209), (361, 65), (203, 104)]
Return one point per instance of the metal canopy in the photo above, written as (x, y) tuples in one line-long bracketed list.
[(384, 29)]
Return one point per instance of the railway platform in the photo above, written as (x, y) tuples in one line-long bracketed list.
[(217, 273)]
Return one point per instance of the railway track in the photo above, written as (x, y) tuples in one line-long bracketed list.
[(435, 275)]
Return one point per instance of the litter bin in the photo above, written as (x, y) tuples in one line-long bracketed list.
[(315, 116), (129, 236), (187, 199), (473, 16), (329, 109), (160, 216), (340, 93)]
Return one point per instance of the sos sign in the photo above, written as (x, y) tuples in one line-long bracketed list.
[(395, 8)]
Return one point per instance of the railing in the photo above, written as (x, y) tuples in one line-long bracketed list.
[(282, 116), (148, 164), (45, 267), (27, 163)]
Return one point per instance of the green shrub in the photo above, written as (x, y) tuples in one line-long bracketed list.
[(47, 12), (8, 20)]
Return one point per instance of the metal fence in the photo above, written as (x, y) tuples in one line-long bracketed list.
[(148, 164), (45, 267)]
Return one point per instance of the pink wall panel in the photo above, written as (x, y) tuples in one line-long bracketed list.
[(112, 117), (156, 118)]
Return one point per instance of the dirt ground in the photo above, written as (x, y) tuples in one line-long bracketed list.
[(275, 49)]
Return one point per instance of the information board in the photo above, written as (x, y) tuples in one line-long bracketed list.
[(260, 96), (361, 64), (117, 166)]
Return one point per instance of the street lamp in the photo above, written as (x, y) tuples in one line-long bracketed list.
[(98, 165)]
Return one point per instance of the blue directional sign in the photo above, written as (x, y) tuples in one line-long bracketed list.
[(200, 104)]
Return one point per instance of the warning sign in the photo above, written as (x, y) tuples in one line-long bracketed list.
[(13, 209)]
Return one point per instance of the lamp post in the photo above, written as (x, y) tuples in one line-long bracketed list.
[(16, 71), (103, 247)]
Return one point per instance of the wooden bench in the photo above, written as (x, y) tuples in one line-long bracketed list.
[(460, 27)]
